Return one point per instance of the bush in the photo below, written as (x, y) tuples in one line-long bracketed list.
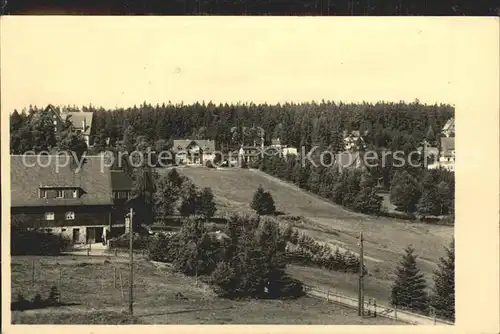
[(209, 164), (225, 280), (122, 241), (36, 242)]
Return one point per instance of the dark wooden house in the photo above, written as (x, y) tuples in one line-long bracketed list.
[(76, 201)]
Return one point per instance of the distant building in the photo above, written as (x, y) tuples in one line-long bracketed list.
[(353, 141), (81, 121), (447, 148), (77, 203), (193, 152), (449, 128)]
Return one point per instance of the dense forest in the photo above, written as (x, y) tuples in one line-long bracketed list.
[(389, 125)]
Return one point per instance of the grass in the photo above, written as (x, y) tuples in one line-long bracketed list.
[(385, 238), (87, 284)]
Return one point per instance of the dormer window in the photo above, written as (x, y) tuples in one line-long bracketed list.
[(43, 193), (60, 194), (75, 193)]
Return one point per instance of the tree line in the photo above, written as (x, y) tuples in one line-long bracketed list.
[(396, 126), (412, 190)]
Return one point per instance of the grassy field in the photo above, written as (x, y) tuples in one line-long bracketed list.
[(161, 297), (385, 238)]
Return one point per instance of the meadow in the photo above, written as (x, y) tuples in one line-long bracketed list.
[(384, 238), (161, 296)]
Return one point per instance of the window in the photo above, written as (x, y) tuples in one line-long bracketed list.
[(60, 194), (75, 193), (49, 215), (70, 215), (43, 193)]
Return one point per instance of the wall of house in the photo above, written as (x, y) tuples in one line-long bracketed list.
[(84, 216), (83, 233)]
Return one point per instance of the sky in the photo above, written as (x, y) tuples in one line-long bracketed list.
[(123, 61)]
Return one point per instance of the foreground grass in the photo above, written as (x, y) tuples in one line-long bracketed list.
[(385, 238), (161, 296)]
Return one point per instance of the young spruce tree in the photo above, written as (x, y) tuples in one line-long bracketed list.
[(408, 290), (443, 296)]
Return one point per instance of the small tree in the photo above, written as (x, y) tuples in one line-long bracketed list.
[(367, 201), (206, 205), (443, 296), (405, 191), (430, 202), (263, 202), (408, 290)]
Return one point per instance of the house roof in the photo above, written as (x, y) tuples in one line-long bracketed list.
[(206, 145), (28, 175), (120, 181), (77, 118), (449, 125), (447, 146)]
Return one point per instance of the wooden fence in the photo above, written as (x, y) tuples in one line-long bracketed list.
[(372, 308)]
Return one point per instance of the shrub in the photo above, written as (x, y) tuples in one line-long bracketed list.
[(122, 241), (36, 242), (209, 164)]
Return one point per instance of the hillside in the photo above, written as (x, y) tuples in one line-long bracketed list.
[(385, 238)]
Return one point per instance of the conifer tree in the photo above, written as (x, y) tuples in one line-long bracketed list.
[(367, 201), (405, 191), (263, 202), (206, 205), (408, 290), (430, 202), (443, 296)]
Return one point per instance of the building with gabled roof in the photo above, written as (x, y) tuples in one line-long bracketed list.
[(193, 151), (67, 198)]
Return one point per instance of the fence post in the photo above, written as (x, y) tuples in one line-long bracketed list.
[(114, 278), (328, 295), (395, 312), (375, 307), (116, 251), (368, 306), (33, 272), (60, 285), (121, 285)]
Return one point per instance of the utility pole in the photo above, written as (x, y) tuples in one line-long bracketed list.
[(131, 255), (361, 274)]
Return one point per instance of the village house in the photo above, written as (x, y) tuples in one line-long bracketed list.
[(447, 148), (193, 152), (353, 141), (75, 202), (81, 121), (121, 186), (449, 128)]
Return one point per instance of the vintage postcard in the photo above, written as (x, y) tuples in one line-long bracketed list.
[(250, 171)]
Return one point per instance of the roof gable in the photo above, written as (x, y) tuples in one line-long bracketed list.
[(29, 173)]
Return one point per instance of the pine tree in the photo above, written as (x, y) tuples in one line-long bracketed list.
[(367, 201), (408, 290), (443, 296), (405, 191), (430, 202), (189, 199), (206, 205), (263, 202)]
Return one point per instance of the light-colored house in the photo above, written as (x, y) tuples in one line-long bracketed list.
[(352, 140), (193, 152), (449, 128), (81, 121), (446, 155)]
